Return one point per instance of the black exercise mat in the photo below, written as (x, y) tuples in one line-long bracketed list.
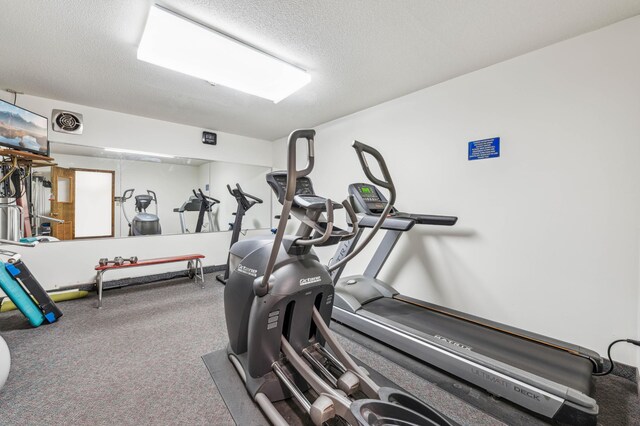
[(243, 409)]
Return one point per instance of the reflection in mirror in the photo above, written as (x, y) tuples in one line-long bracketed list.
[(167, 183), (62, 202), (94, 209), (63, 193), (96, 192), (252, 181)]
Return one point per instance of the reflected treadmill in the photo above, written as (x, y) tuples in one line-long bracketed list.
[(544, 375)]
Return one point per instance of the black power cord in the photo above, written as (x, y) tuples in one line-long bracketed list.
[(633, 342)]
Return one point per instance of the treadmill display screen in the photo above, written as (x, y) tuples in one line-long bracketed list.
[(368, 193)]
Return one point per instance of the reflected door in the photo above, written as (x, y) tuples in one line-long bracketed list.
[(93, 199), (62, 202)]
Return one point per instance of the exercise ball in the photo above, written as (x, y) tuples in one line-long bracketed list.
[(5, 362)]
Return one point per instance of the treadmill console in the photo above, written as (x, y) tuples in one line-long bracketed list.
[(368, 198), (371, 202)]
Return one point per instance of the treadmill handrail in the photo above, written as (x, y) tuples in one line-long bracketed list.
[(210, 201), (428, 219), (247, 195), (390, 223), (261, 287)]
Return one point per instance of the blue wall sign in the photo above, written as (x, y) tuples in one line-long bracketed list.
[(485, 148)]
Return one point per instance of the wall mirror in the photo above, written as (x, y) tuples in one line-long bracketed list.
[(94, 192)]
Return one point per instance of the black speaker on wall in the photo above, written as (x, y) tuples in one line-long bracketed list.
[(209, 138)]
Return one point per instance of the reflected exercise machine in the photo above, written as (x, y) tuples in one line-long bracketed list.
[(245, 202), (143, 223), (203, 204)]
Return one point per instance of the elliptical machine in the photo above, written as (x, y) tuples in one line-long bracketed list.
[(143, 223), (245, 202), (278, 303)]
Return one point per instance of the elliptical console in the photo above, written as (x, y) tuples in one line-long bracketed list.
[(278, 303)]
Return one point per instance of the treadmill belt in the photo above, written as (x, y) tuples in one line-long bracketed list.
[(553, 364)]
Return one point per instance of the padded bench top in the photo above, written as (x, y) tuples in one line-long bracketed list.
[(156, 261)]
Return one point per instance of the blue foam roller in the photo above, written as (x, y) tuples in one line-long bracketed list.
[(20, 298)]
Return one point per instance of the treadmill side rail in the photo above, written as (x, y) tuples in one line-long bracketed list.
[(595, 358), (545, 397), (538, 382)]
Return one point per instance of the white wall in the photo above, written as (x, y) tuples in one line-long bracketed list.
[(70, 263), (548, 234)]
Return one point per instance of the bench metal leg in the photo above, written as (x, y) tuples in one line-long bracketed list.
[(196, 271), (99, 287), (200, 272)]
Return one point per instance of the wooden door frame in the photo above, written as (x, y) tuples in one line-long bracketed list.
[(54, 191)]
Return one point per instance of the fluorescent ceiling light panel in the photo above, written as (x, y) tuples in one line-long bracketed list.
[(131, 151), (174, 42)]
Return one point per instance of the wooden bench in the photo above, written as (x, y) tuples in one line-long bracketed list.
[(194, 266)]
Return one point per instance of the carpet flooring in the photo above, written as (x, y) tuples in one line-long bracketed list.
[(138, 361)]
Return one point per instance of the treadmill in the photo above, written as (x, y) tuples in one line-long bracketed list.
[(202, 204), (542, 374)]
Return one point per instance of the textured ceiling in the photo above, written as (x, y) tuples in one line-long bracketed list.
[(358, 52)]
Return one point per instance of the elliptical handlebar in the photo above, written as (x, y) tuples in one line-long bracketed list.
[(154, 198), (352, 217), (125, 197), (261, 286), (328, 229), (153, 195), (292, 171), (387, 183)]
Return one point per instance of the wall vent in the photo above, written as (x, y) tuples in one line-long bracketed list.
[(66, 122)]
